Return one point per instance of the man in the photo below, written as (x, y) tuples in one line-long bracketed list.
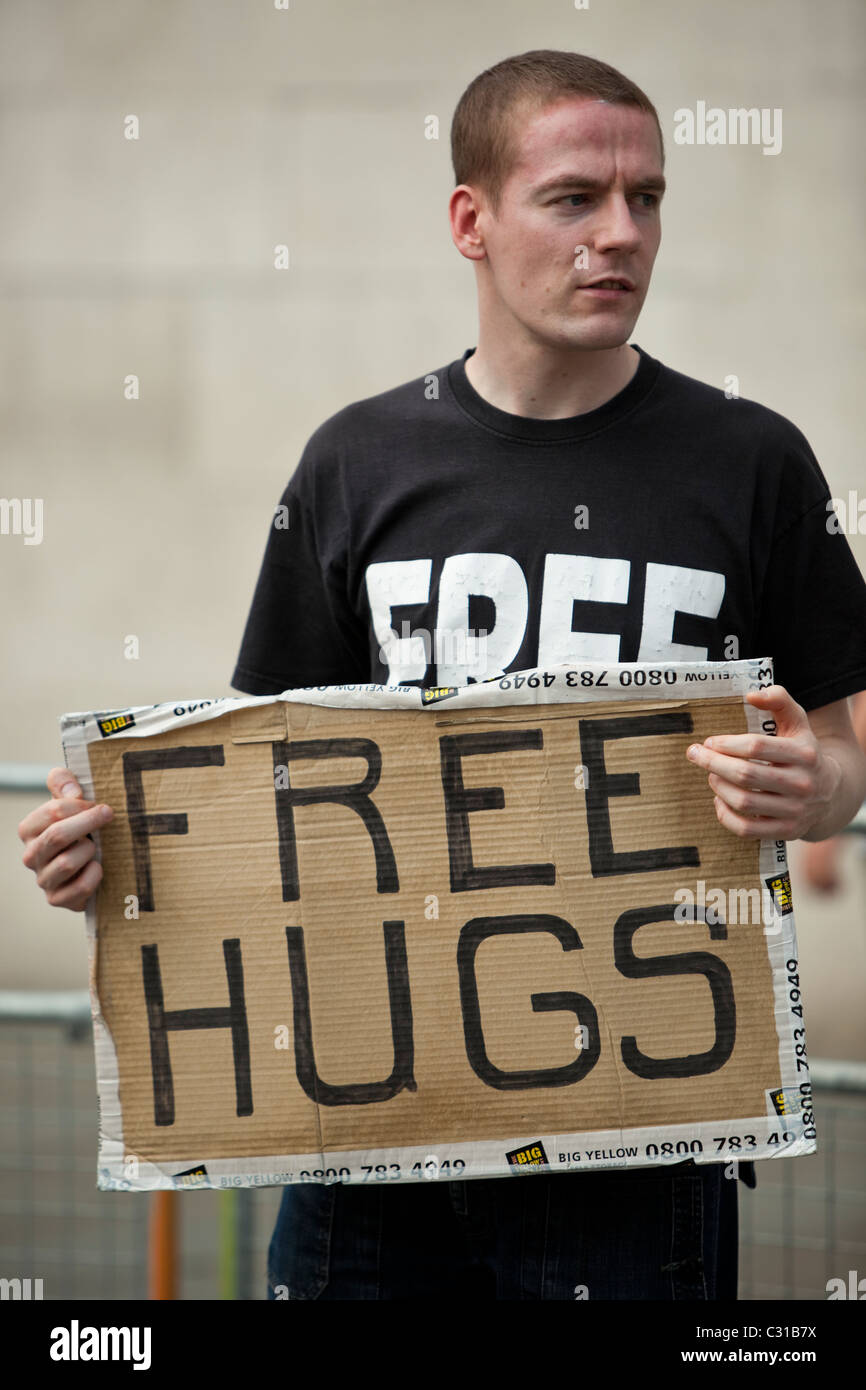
[(566, 493)]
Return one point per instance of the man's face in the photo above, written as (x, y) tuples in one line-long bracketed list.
[(588, 175)]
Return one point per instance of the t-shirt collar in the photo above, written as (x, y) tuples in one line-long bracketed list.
[(533, 430)]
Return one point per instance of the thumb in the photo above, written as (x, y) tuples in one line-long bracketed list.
[(60, 782), (790, 717)]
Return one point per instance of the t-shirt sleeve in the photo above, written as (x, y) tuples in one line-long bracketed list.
[(301, 629), (812, 609)]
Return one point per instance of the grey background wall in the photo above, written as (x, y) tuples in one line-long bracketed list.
[(306, 126)]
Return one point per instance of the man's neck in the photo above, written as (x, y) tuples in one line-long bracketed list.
[(532, 382)]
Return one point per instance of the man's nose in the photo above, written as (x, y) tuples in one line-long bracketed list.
[(615, 225)]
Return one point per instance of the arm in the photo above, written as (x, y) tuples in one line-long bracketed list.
[(858, 717), (803, 783), (820, 859), (838, 741)]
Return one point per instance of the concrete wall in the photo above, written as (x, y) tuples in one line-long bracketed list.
[(305, 126)]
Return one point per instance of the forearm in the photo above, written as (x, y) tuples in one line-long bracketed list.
[(849, 792)]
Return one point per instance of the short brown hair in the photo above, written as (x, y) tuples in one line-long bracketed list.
[(483, 149)]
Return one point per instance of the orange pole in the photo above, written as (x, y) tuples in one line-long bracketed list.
[(162, 1246)]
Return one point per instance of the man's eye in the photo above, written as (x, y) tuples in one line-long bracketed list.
[(651, 199)]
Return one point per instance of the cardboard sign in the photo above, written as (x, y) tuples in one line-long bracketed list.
[(381, 933)]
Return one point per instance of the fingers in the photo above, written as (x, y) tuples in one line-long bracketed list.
[(75, 894), (63, 867), (750, 827), (741, 771), (753, 802), (54, 826), (36, 821), (764, 748), (58, 842), (60, 782), (62, 785)]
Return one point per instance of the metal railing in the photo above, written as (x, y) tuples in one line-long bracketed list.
[(804, 1224), (54, 1223)]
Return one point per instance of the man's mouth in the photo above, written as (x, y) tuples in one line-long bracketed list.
[(611, 285)]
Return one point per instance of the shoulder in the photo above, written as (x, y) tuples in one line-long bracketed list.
[(369, 416), (727, 404), (740, 423), (352, 447)]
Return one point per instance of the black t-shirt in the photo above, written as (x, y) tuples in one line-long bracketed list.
[(670, 523)]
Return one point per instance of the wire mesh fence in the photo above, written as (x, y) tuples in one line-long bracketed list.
[(805, 1222), (54, 1223), (803, 1225)]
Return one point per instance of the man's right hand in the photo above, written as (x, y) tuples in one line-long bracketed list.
[(58, 849)]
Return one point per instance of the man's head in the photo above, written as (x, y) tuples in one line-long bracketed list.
[(530, 120)]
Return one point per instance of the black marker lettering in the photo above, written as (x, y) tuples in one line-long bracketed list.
[(716, 973), (162, 1022), (461, 801), (601, 785), (471, 937), (355, 795), (359, 1092), (141, 824)]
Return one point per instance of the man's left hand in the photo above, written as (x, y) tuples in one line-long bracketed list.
[(770, 786)]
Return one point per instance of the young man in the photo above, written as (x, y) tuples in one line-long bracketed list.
[(562, 490)]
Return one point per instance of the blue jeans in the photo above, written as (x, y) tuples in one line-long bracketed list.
[(638, 1233)]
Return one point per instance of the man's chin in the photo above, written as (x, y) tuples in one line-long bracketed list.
[(595, 337)]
